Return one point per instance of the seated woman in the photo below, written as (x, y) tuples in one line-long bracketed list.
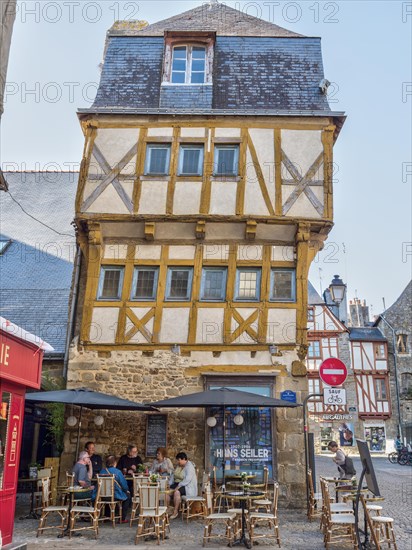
[(161, 464), (188, 486), (121, 489), (176, 477)]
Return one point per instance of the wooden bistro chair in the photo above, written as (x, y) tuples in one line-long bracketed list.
[(47, 509), (211, 518), (333, 507), (138, 480), (219, 497), (263, 502), (315, 499), (153, 518), (270, 518), (38, 495), (337, 527), (107, 499), (62, 494), (381, 527), (193, 507), (91, 511)]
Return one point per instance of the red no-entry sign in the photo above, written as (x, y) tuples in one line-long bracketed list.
[(333, 372)]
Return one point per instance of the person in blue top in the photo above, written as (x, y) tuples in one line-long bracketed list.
[(121, 489)]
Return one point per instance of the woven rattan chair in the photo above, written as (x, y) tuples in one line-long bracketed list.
[(315, 499), (153, 518), (107, 499), (47, 509), (337, 527), (138, 480), (213, 518), (199, 502), (86, 511), (270, 519)]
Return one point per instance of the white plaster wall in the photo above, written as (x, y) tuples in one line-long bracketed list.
[(225, 231), (104, 325), (244, 338), (160, 132), (223, 198), (140, 312), (254, 201), (181, 252), (283, 253), (115, 251), (192, 132), (302, 147), (251, 252), (281, 326), (153, 197), (215, 252), (271, 232), (264, 142), (175, 325), (209, 328), (227, 132), (114, 143), (175, 230), (187, 197), (302, 207), (148, 252), (110, 202), (356, 357)]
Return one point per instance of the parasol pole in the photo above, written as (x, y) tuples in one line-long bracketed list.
[(224, 448), (78, 433)]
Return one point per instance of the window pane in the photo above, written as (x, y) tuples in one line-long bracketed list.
[(179, 283), (198, 53), (179, 52), (179, 65), (213, 281), (111, 283), (247, 284), (225, 161), (145, 283), (158, 160), (282, 285), (190, 162), (178, 78), (198, 78), (198, 65)]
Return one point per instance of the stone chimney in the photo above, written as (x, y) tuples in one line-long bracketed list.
[(358, 313)]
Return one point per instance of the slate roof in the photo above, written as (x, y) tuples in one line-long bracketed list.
[(258, 69), (366, 334), (36, 268), (222, 19), (313, 297)]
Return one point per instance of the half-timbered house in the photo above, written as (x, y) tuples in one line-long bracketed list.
[(205, 192)]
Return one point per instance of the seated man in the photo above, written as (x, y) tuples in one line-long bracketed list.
[(121, 489), (82, 470), (128, 464), (96, 460), (188, 486)]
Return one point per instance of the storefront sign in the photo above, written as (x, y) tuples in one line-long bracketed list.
[(337, 417), (334, 396), (288, 395), (20, 362)]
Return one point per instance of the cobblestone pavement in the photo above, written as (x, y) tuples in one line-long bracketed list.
[(296, 532)]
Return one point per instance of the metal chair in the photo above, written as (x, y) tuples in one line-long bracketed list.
[(270, 518), (211, 518), (107, 499), (153, 519), (61, 511), (188, 503), (91, 511)]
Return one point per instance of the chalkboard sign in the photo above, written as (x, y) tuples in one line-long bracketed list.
[(156, 433)]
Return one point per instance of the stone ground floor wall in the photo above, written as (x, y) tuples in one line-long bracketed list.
[(132, 375)]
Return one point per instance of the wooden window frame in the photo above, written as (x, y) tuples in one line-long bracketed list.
[(381, 379), (275, 270), (311, 315), (136, 270), (376, 351), (188, 72), (223, 285), (218, 147), (149, 147), (258, 270), (186, 146), (103, 270), (170, 270), (318, 341)]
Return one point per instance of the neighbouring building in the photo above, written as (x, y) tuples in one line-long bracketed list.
[(396, 324), (37, 252), (204, 195)]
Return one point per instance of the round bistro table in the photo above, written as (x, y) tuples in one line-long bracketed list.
[(243, 498), (70, 491)]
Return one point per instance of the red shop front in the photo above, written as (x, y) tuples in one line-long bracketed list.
[(21, 355)]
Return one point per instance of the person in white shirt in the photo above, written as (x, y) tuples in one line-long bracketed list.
[(188, 486)]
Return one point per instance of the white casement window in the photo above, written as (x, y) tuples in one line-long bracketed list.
[(314, 350), (110, 283), (380, 351), (226, 162), (144, 284), (188, 65), (311, 314), (380, 389), (157, 159), (179, 283), (190, 160), (283, 285), (248, 284), (213, 287)]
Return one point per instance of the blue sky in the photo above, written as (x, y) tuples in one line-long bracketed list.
[(55, 55)]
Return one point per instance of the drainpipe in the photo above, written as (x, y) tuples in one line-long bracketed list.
[(73, 308), (395, 364)]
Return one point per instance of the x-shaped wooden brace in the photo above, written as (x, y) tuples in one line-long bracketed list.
[(110, 175), (139, 324), (244, 326), (302, 184)]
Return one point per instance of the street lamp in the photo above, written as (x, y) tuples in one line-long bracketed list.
[(337, 289)]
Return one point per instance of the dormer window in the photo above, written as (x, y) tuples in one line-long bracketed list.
[(188, 65)]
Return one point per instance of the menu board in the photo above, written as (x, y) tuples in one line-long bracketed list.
[(156, 433)]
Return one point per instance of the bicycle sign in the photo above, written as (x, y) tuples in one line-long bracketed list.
[(334, 396)]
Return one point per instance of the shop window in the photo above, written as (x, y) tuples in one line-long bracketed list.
[(380, 351), (213, 287), (226, 161), (179, 283), (380, 389), (190, 160), (314, 351), (4, 420), (402, 343), (110, 283), (311, 314), (282, 285), (144, 284), (248, 284), (157, 159), (188, 65), (375, 437)]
